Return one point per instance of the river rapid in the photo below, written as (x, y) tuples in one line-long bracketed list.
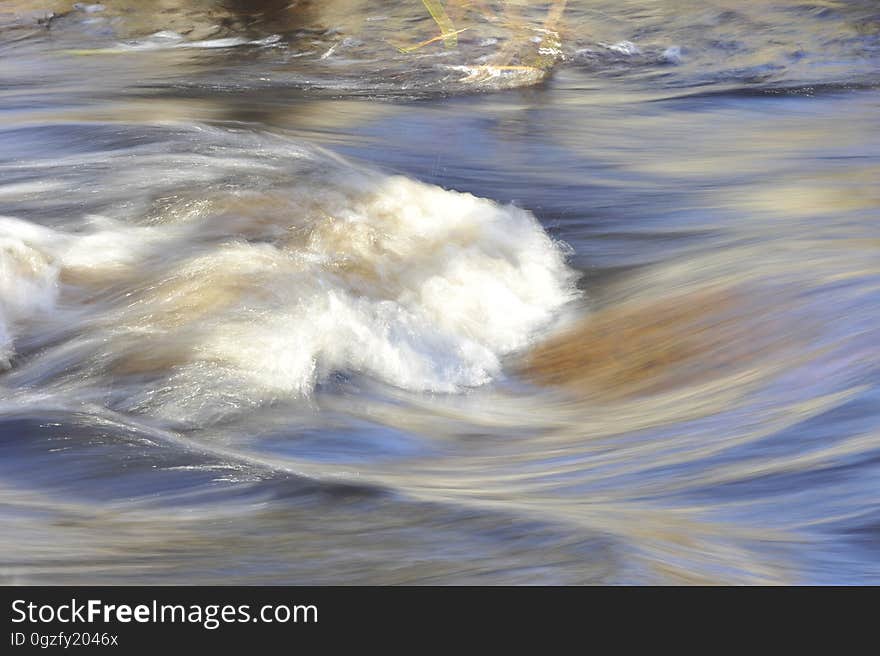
[(585, 292)]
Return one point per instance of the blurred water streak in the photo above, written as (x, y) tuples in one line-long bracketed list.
[(242, 344)]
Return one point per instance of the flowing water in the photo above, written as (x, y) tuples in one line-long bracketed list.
[(584, 292)]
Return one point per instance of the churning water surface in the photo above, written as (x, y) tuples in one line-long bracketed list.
[(585, 292)]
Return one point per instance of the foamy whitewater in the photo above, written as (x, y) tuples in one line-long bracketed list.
[(245, 339), (224, 296)]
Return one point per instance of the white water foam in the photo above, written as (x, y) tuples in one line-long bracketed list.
[(265, 295), (27, 284)]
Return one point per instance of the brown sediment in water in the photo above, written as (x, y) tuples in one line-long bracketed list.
[(650, 346)]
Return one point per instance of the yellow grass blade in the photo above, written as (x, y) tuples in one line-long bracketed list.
[(447, 29), (434, 39)]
